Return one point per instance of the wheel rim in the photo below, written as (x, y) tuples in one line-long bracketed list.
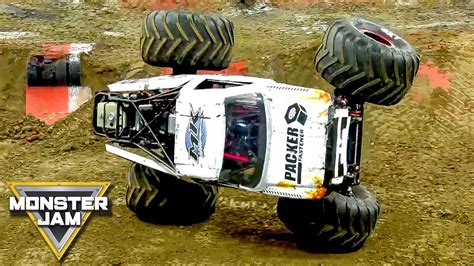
[(378, 37)]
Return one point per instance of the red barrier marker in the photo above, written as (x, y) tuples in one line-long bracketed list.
[(48, 104), (436, 76), (53, 76), (238, 67)]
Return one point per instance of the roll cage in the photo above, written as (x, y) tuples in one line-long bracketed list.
[(141, 120)]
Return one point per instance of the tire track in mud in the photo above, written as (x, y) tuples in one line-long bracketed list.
[(453, 107), (442, 91)]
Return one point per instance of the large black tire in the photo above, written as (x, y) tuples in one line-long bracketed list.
[(74, 67), (366, 62), (336, 223), (160, 198), (55, 72), (68, 72), (61, 72), (187, 41)]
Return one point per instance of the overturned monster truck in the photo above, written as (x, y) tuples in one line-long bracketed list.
[(188, 134)]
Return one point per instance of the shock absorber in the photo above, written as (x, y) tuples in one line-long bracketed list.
[(355, 142)]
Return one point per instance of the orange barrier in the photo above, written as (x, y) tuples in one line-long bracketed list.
[(48, 104), (53, 78), (55, 50), (238, 67)]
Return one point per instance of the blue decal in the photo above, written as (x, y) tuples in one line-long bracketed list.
[(196, 133)]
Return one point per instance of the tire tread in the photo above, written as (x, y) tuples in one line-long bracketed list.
[(155, 196), (186, 40), (363, 68), (335, 223)]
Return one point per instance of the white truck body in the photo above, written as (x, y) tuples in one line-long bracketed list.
[(296, 135)]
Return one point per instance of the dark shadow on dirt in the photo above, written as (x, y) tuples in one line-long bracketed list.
[(277, 238), (245, 224), (266, 237), (18, 214)]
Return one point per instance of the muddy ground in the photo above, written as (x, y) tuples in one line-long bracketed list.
[(417, 157)]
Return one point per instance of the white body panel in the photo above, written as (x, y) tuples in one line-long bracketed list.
[(206, 107), (155, 83), (295, 163), (168, 82)]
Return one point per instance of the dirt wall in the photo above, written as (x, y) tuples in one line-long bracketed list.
[(13, 63)]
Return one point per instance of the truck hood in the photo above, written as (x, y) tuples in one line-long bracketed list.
[(200, 134)]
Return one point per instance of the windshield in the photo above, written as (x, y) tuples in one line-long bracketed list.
[(245, 143)]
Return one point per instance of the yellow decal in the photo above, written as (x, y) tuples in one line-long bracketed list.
[(286, 184), (319, 192), (318, 95)]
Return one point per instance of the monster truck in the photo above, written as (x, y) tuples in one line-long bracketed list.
[(188, 134)]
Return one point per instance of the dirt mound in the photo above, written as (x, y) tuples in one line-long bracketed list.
[(73, 132), (28, 128)]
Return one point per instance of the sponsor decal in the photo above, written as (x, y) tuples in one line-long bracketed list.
[(195, 137), (286, 184), (296, 112), (390, 34), (341, 167), (59, 210), (294, 142)]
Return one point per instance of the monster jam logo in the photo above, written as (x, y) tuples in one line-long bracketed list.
[(59, 210), (294, 142), (196, 135)]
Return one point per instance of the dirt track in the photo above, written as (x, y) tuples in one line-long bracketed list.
[(418, 156)]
